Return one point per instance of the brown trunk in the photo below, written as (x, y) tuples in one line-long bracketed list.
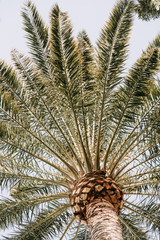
[(92, 187), (102, 221)]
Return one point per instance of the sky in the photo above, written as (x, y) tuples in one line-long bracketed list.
[(84, 14)]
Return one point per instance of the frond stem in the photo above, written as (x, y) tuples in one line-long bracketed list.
[(71, 100), (67, 228), (61, 131), (133, 159), (140, 174), (129, 228), (146, 213), (38, 157), (136, 184), (97, 160), (42, 124)]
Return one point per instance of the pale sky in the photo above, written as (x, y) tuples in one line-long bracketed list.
[(85, 14)]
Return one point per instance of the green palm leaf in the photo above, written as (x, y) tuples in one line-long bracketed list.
[(65, 59), (76, 131), (37, 37), (13, 211), (47, 224), (130, 229), (112, 47)]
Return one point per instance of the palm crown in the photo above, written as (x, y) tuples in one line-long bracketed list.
[(70, 110)]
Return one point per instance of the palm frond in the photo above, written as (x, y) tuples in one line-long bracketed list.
[(65, 59), (37, 37), (139, 84), (14, 211), (68, 111), (80, 232), (32, 131), (67, 227), (87, 79), (112, 47), (47, 224), (14, 169), (131, 229), (148, 213)]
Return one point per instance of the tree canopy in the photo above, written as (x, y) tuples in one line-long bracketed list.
[(69, 109)]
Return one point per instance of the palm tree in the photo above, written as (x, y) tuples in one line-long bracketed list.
[(147, 9), (80, 136)]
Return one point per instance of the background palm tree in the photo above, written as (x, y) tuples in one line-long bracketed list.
[(147, 9), (79, 137)]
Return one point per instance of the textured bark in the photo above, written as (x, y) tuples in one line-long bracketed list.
[(91, 187), (103, 221)]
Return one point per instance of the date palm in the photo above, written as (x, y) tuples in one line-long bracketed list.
[(79, 136), (147, 9)]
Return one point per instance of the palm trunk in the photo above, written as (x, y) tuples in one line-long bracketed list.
[(103, 221)]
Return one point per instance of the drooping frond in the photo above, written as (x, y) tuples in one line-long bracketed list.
[(148, 212), (47, 224), (33, 132), (14, 211), (131, 229)]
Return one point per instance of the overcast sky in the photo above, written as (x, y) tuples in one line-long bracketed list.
[(85, 14)]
